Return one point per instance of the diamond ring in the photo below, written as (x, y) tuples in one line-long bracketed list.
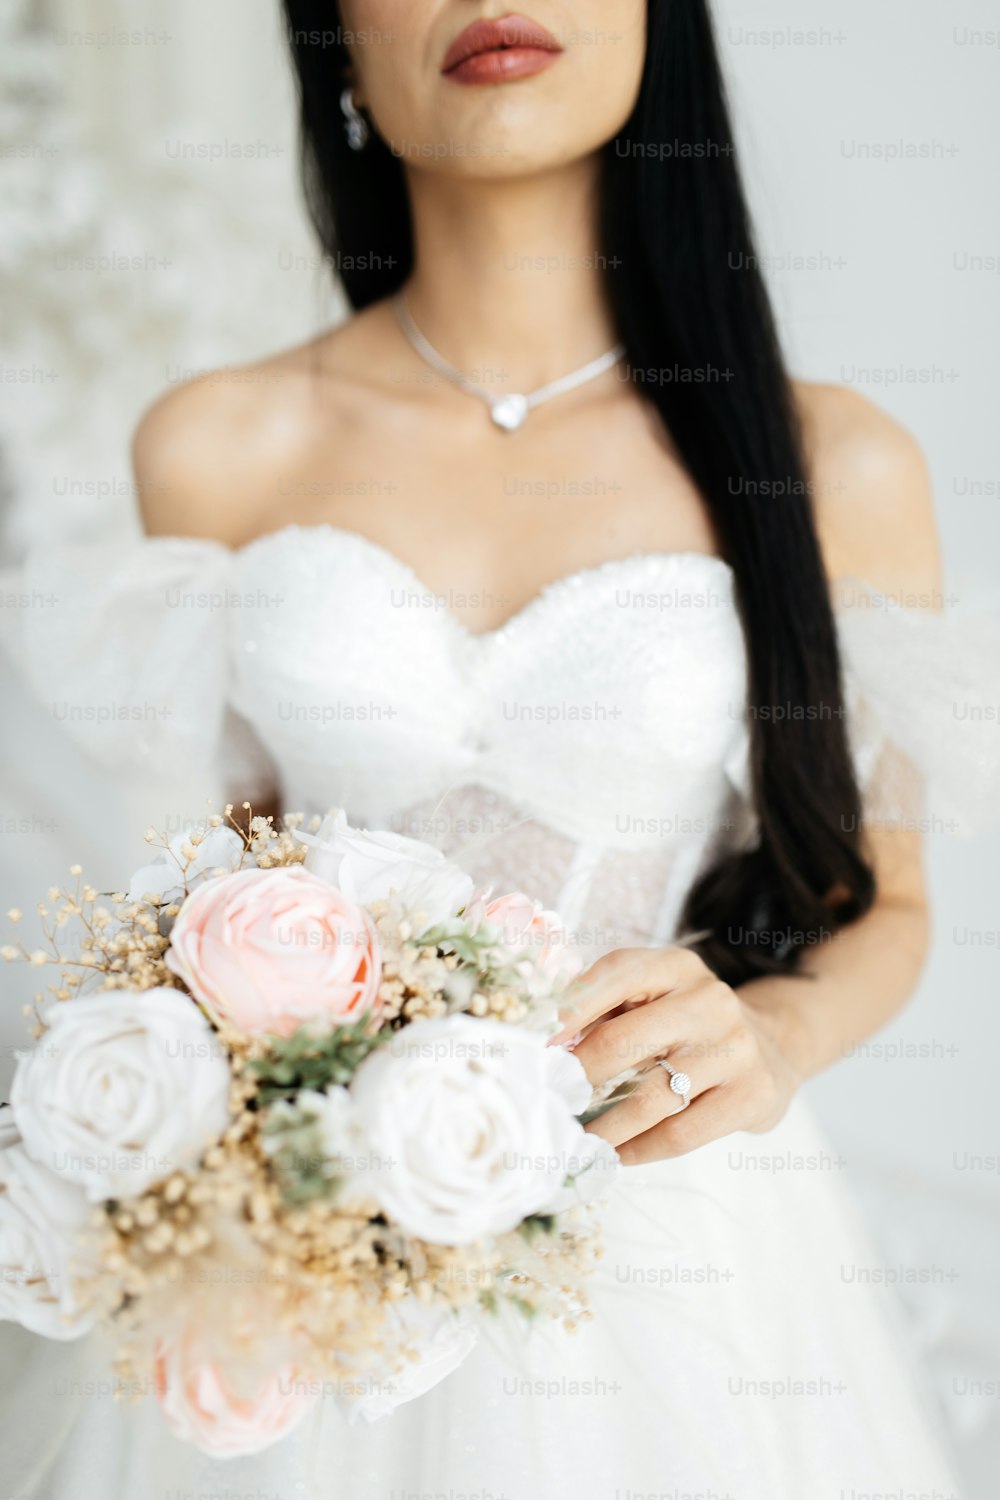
[(680, 1083)]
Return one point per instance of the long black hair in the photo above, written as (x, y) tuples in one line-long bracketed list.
[(700, 340)]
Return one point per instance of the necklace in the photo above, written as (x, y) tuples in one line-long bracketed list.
[(507, 411)]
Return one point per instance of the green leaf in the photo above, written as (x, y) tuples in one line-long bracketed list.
[(311, 1060), (536, 1224), (297, 1153), (616, 1096), (473, 945)]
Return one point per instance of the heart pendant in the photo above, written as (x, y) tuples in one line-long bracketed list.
[(509, 412)]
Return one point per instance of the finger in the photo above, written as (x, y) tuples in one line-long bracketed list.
[(652, 1101), (632, 1040), (683, 1022), (712, 1115), (627, 974)]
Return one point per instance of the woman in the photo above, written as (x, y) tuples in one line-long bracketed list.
[(586, 641)]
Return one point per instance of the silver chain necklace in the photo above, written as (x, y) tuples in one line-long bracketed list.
[(507, 411)]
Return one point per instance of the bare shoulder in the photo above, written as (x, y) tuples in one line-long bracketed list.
[(872, 492), (204, 453), (212, 456)]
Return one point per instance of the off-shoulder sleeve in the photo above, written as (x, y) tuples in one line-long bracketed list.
[(923, 699), (127, 647)]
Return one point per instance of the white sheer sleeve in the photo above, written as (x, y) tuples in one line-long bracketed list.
[(923, 701), (128, 647)]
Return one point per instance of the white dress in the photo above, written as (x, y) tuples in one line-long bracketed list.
[(592, 752)]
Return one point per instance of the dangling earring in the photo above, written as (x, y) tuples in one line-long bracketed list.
[(355, 124)]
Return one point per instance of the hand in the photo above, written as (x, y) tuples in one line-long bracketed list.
[(652, 1003)]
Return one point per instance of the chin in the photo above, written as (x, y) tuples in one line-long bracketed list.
[(504, 139)]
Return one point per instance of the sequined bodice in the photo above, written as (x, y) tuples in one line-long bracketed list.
[(580, 750)]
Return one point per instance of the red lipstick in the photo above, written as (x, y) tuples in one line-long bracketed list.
[(499, 51)]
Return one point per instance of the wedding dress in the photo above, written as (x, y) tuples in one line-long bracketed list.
[(592, 751)]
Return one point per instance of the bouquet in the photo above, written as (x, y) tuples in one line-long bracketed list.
[(292, 1126)]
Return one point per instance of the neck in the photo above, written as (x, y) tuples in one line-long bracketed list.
[(507, 274)]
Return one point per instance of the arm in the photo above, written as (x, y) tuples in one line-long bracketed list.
[(855, 984), (875, 516), (748, 1050)]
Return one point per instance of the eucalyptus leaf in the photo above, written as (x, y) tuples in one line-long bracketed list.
[(617, 1096), (311, 1060)]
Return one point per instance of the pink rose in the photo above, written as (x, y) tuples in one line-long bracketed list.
[(271, 949), (527, 928), (202, 1408)]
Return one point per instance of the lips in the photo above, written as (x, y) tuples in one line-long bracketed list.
[(494, 51)]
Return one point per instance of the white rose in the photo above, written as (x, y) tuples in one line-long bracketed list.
[(41, 1217), (214, 849), (124, 1089), (369, 867), (594, 1164), (471, 1126), (590, 1178), (438, 1338)]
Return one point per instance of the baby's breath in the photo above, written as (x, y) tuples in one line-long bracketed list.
[(330, 1267)]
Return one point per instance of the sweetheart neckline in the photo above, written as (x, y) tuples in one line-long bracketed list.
[(527, 610)]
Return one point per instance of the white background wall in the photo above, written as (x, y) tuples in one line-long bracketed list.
[(815, 88)]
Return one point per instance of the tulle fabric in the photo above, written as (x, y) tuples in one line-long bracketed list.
[(923, 694), (129, 646)]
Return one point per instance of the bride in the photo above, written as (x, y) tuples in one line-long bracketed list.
[(542, 555)]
